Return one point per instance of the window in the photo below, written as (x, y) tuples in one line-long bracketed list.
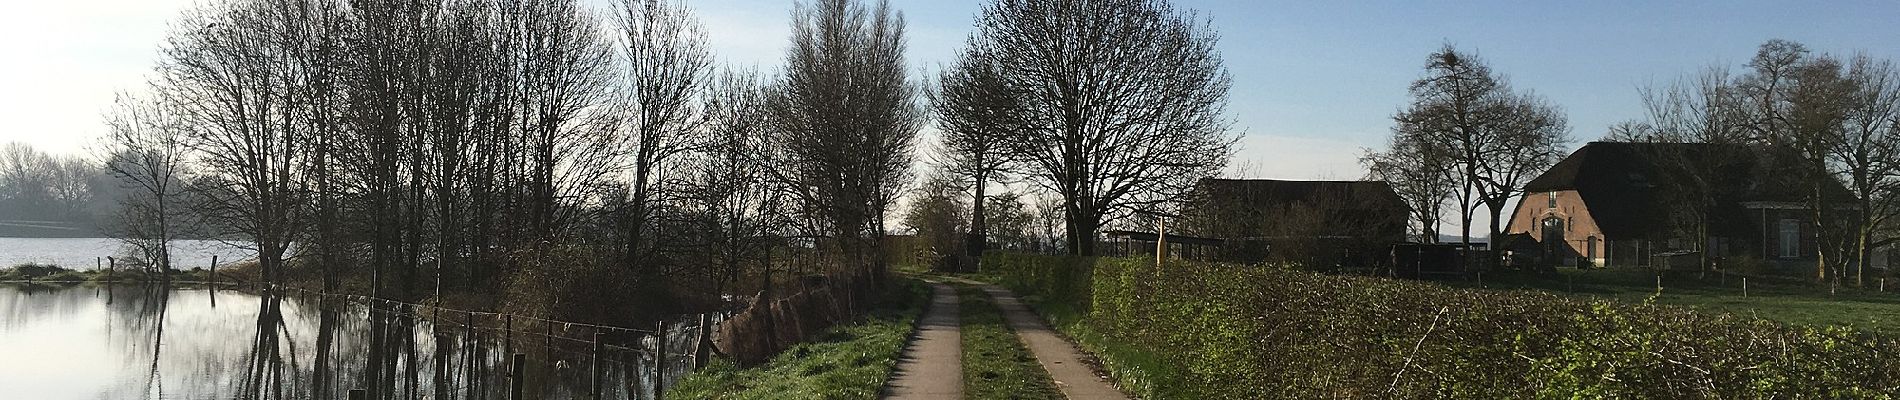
[(1590, 247), (1553, 200), (1790, 238)]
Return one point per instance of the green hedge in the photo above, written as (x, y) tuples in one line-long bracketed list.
[(1205, 330)]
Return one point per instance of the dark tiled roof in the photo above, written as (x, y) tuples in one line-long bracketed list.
[(1336, 195), (1628, 186)]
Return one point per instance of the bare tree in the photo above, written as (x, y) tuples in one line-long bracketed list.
[(1696, 141), (1796, 100), (664, 49), (847, 114), (1117, 104), (242, 78), (147, 155), (1496, 139), (1868, 154), (25, 178), (976, 112), (1418, 172)]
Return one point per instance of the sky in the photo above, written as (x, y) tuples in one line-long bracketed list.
[(1315, 83)]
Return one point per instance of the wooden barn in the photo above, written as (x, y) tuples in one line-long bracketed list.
[(1321, 224)]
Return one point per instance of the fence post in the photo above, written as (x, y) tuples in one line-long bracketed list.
[(594, 388), (659, 362), (508, 334), (517, 378), (214, 269), (1744, 286)]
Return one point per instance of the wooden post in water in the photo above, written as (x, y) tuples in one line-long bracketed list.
[(474, 354), (214, 270), (112, 264), (659, 361), (442, 365), (593, 390), (517, 378)]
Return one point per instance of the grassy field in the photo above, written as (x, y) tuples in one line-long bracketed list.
[(850, 362), (1789, 300), (995, 363)]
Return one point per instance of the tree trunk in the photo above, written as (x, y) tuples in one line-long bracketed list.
[(978, 239)]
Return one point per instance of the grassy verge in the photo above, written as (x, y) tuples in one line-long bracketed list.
[(849, 362), (51, 274), (1775, 298), (1136, 369), (995, 363)]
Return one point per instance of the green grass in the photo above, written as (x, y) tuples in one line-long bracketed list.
[(849, 362), (1788, 300), (995, 363), (1135, 369)]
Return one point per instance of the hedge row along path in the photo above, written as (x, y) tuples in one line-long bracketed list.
[(1064, 363), (932, 364)]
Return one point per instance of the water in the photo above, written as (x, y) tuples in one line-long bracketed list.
[(151, 342), (84, 253)]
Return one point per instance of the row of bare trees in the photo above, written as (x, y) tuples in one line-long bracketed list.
[(1840, 115), (38, 186), (462, 141)]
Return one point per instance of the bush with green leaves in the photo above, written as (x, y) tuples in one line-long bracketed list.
[(1209, 330)]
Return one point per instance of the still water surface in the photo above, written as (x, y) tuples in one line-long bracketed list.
[(151, 342), (85, 253)]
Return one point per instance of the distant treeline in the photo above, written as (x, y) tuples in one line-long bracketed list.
[(52, 195)]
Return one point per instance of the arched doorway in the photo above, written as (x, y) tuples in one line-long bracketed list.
[(1553, 240)]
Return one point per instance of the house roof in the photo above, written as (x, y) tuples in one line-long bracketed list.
[(1628, 186), (1335, 195)]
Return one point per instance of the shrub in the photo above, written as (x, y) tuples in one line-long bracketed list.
[(31, 271), (574, 284), (1229, 331)]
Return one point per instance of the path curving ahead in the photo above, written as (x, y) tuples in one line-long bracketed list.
[(931, 366), (1061, 359)]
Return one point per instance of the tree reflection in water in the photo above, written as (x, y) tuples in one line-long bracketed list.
[(150, 342)]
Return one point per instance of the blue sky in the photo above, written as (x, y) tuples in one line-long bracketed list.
[(1314, 82)]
